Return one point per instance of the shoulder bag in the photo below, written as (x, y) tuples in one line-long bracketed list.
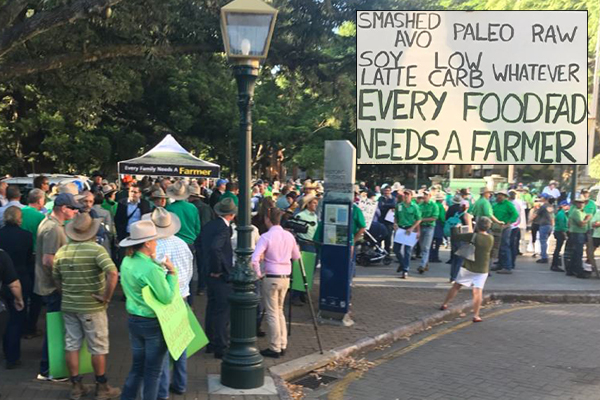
[(467, 251)]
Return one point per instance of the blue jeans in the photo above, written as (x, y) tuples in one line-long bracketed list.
[(52, 302), (404, 259), (149, 351), (505, 249), (545, 231), (577, 240), (11, 342), (425, 240), (179, 381)]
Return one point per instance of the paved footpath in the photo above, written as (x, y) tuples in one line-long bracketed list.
[(380, 303), (535, 352)]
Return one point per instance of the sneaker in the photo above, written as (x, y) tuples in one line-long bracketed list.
[(105, 392), (404, 275), (556, 269), (421, 270), (542, 261), (50, 378)]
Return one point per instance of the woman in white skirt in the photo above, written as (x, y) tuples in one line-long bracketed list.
[(474, 273)]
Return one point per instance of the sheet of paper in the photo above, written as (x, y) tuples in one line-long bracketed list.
[(402, 238), (389, 217)]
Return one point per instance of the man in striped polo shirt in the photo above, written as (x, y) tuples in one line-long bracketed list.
[(87, 277)]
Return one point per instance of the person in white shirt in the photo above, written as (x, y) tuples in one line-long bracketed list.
[(552, 190)]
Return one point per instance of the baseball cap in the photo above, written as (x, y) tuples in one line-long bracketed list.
[(563, 203), (222, 182), (67, 199)]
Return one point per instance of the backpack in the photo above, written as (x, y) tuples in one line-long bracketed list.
[(451, 223)]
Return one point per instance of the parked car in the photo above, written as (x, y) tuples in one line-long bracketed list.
[(25, 183)]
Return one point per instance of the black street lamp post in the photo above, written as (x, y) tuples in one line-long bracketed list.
[(247, 27)]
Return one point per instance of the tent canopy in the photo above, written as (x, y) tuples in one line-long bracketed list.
[(168, 158)]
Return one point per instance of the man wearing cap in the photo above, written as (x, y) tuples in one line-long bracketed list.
[(109, 203), (129, 211), (126, 183), (206, 214), (483, 207), (176, 250), (506, 213), (408, 217), (218, 256), (561, 226), (51, 237), (578, 228), (552, 190), (220, 187), (86, 277), (429, 215), (96, 182), (387, 203), (543, 216)]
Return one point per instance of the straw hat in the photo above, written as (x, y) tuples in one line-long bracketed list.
[(226, 207), (580, 200), (83, 227), (502, 192), (178, 191), (166, 223), (397, 187), (158, 193), (194, 190), (485, 189), (140, 232)]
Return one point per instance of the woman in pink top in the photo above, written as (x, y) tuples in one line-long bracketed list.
[(277, 247)]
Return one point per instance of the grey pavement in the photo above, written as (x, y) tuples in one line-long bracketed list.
[(519, 352)]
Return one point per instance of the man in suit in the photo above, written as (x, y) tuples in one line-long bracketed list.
[(130, 210), (218, 253)]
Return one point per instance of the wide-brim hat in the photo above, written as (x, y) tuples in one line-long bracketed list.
[(397, 187), (194, 190), (502, 192), (484, 190), (108, 190), (440, 197), (457, 199), (82, 228), (178, 191), (226, 207), (140, 232), (166, 223), (580, 200), (158, 193)]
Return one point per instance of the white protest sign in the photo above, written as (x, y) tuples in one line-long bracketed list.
[(477, 87), (368, 207)]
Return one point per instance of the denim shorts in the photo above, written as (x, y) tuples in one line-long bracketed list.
[(93, 327)]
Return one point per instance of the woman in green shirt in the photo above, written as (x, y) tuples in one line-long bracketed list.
[(138, 270), (474, 273)]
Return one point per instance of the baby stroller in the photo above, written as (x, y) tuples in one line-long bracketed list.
[(369, 251)]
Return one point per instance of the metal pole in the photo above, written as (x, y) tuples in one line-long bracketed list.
[(417, 177), (242, 366), (574, 183)]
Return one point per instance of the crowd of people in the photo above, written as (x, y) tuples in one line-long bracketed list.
[(68, 248)]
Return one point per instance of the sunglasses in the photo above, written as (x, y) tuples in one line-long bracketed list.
[(72, 208)]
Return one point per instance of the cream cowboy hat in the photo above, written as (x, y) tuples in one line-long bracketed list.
[(178, 191), (140, 232), (307, 199), (194, 190), (166, 223), (82, 228)]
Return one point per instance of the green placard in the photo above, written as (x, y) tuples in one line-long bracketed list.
[(174, 321), (55, 326), (200, 339), (309, 259)]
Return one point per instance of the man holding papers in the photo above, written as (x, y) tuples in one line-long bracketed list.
[(407, 218)]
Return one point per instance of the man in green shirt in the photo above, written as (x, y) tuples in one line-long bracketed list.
[(407, 217), (438, 232), (429, 215), (32, 214), (86, 277), (231, 190), (506, 213), (483, 207), (561, 226), (109, 203), (590, 206), (578, 227)]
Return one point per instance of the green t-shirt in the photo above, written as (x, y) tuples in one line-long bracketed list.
[(596, 231), (358, 220), (441, 212), (483, 249), (482, 208), (81, 268), (190, 220), (590, 207), (308, 217), (561, 222), (505, 212), (231, 195), (139, 271), (111, 206), (31, 220), (428, 210), (576, 216), (407, 215)]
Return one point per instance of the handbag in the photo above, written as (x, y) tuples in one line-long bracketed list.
[(467, 251)]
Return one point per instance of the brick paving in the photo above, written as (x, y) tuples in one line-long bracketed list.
[(545, 352)]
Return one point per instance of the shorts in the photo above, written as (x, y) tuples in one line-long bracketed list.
[(468, 278), (93, 327)]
